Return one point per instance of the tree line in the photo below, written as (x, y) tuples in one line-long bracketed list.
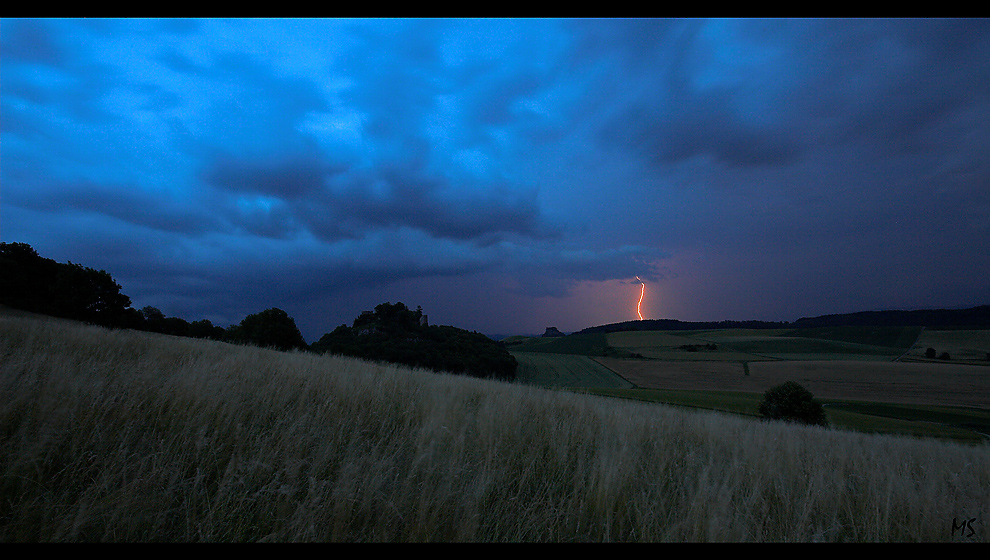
[(391, 333)]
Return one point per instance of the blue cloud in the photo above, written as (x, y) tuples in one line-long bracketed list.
[(225, 166)]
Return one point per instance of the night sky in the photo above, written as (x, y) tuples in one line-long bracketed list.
[(505, 174)]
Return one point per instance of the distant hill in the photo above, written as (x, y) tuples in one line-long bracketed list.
[(972, 318), (675, 325)]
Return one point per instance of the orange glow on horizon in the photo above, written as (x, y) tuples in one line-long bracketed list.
[(642, 292)]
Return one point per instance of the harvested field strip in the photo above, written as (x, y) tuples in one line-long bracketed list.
[(641, 339), (661, 345), (751, 344), (675, 355), (892, 382), (780, 345), (711, 375)]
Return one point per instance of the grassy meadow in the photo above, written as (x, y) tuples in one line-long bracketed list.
[(133, 436)]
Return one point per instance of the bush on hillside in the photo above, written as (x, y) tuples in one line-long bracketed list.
[(791, 402)]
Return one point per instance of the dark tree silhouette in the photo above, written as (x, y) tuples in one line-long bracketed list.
[(89, 295), (34, 283), (27, 278), (791, 402), (152, 319), (206, 329), (272, 328)]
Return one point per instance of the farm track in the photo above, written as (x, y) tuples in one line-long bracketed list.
[(913, 344)]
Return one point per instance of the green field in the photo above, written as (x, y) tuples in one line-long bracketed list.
[(848, 343), (565, 370)]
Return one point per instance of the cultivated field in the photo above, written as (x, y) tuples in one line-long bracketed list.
[(746, 345)]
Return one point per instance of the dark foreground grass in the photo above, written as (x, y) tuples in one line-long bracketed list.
[(125, 436)]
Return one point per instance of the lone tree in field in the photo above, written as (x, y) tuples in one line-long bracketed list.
[(792, 403)]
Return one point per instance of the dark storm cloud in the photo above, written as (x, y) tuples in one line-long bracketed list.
[(225, 166), (43, 67), (554, 270), (129, 203), (880, 82), (251, 111), (674, 116), (397, 77), (287, 177), (335, 205), (701, 125), (32, 41), (887, 83)]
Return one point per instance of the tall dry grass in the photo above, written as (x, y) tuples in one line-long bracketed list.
[(129, 436)]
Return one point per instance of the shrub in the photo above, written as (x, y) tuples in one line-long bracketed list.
[(792, 403), (930, 353)]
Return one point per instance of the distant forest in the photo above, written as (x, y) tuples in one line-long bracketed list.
[(391, 333), (972, 318)]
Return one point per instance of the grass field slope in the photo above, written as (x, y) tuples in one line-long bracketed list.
[(134, 436)]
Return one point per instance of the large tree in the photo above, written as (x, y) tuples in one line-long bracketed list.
[(34, 283), (272, 328)]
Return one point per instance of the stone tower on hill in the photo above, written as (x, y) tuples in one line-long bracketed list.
[(552, 331)]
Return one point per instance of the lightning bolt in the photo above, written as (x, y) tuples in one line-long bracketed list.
[(642, 292)]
